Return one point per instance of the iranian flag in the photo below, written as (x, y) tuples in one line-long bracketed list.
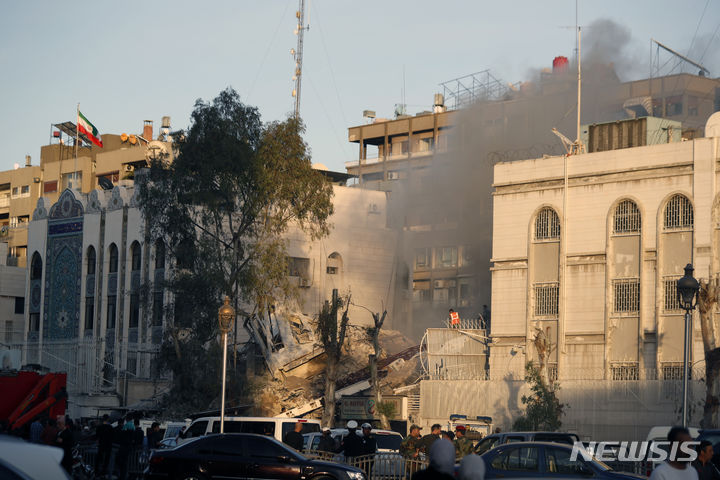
[(88, 129)]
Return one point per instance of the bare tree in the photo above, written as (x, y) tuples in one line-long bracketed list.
[(374, 334), (544, 348), (332, 336), (707, 299)]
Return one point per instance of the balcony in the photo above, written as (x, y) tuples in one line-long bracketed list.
[(4, 201), (389, 158)]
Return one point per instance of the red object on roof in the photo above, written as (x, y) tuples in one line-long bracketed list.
[(560, 64)]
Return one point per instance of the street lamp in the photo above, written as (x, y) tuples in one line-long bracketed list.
[(687, 290), (226, 314)]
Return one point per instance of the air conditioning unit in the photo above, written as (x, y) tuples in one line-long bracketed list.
[(393, 175), (304, 282)]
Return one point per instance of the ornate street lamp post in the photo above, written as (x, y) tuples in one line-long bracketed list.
[(687, 290), (226, 314)]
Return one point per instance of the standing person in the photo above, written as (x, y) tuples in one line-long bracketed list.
[(327, 442), (36, 431), (154, 436), (65, 440), (410, 446), (50, 432), (454, 319), (673, 469), (442, 462), (104, 433), (463, 445), (368, 448), (351, 444), (295, 439), (434, 435), (127, 434), (486, 318), (703, 465)]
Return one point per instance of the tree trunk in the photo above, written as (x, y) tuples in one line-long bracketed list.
[(707, 298), (328, 417)]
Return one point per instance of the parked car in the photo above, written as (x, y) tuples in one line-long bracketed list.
[(170, 442), (239, 455), (547, 460), (497, 439), (276, 427), (20, 460)]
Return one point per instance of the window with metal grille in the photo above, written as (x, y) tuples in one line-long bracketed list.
[(673, 371), (547, 225), (671, 301), (552, 372), (678, 213), (626, 295), (624, 371), (546, 299), (626, 218)]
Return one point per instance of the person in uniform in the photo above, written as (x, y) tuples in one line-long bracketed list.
[(463, 445), (410, 446)]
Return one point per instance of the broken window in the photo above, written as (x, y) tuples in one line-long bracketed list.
[(421, 291), (446, 257), (626, 298), (547, 225), (678, 213), (546, 299), (299, 267), (422, 258)]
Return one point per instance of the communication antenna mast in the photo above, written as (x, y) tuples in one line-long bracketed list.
[(298, 54)]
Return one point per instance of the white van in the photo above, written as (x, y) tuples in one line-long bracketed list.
[(276, 427)]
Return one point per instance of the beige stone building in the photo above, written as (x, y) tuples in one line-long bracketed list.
[(588, 249)]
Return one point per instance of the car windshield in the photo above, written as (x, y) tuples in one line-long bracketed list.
[(388, 442)]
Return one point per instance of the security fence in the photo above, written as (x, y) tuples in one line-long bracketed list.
[(380, 466)]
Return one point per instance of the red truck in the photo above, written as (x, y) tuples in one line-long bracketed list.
[(27, 395)]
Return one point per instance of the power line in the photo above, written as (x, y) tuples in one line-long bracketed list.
[(267, 51)]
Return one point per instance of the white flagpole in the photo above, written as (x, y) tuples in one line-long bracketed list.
[(77, 137)]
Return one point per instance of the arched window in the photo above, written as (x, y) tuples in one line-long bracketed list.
[(626, 218), (334, 264), (159, 254), (36, 267), (547, 225), (113, 267), (678, 213), (136, 255), (91, 260), (184, 253)]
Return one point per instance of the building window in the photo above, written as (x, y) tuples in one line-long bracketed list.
[(158, 309), (546, 299), (8, 331), (678, 213), (134, 310), (19, 305), (421, 291), (36, 267), (15, 192), (111, 311), (626, 295), (72, 180), (626, 218), (25, 191), (426, 144), (674, 105), (113, 266), (422, 258), (136, 256), (91, 261), (547, 225), (159, 254), (670, 289), (624, 371), (50, 187), (299, 267), (673, 371), (89, 313), (334, 264), (446, 257)]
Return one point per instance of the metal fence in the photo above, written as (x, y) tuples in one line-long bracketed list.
[(382, 465), (136, 461)]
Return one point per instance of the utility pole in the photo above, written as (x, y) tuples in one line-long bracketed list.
[(298, 54)]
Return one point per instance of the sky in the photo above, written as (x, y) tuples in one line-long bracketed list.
[(126, 62)]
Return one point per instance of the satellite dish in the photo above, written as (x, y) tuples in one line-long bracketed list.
[(105, 183), (124, 137), (156, 150)]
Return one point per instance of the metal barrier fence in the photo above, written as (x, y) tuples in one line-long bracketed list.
[(381, 466), (136, 461)]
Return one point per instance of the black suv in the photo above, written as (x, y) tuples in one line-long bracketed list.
[(241, 455)]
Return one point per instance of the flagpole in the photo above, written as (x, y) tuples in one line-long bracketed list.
[(77, 136)]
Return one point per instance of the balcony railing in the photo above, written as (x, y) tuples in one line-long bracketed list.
[(4, 202), (393, 157)]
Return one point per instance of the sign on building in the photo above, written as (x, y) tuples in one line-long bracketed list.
[(353, 408)]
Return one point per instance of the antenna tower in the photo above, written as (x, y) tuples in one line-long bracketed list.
[(298, 54)]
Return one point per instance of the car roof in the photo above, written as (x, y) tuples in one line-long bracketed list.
[(33, 460), (530, 444), (260, 419), (374, 430)]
